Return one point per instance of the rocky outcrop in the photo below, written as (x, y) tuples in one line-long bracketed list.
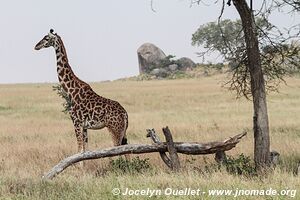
[(159, 72), (186, 63), (153, 61), (149, 57)]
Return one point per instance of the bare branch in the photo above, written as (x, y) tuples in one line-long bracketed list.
[(222, 11), (151, 5)]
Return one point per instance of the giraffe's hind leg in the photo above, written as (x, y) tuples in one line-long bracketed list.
[(119, 138), (118, 129), (116, 136)]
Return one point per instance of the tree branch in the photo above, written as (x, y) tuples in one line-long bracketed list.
[(181, 147)]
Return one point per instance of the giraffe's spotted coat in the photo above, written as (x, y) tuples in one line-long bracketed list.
[(89, 110)]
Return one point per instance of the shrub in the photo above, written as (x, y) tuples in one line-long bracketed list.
[(164, 63), (135, 165), (242, 165), (60, 91)]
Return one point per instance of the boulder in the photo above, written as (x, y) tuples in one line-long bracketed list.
[(186, 63), (173, 67), (149, 56), (159, 72)]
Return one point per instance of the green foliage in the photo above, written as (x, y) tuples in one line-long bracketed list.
[(4, 108), (135, 165), (227, 38), (169, 60), (60, 91), (219, 66), (210, 36), (164, 63), (242, 165)]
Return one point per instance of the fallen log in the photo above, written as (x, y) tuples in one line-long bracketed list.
[(181, 147)]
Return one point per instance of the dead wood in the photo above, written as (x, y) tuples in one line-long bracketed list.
[(181, 147), (175, 164)]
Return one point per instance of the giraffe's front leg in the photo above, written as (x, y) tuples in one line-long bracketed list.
[(85, 139), (79, 137)]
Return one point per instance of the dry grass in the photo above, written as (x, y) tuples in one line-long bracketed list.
[(35, 135)]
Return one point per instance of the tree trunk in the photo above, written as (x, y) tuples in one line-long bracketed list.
[(260, 118)]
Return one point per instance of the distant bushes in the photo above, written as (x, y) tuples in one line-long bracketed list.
[(200, 70)]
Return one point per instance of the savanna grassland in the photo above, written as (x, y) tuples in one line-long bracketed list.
[(35, 135)]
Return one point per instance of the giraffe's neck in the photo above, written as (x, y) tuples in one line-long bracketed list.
[(65, 73)]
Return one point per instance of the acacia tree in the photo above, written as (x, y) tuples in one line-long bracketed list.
[(249, 73), (251, 80), (252, 77)]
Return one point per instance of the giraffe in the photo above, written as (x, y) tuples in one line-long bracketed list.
[(88, 110)]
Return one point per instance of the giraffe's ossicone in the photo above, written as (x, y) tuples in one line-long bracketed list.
[(89, 110)]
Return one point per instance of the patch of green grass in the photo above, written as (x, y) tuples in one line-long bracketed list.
[(131, 166), (4, 108)]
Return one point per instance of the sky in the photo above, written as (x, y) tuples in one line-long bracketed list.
[(101, 37)]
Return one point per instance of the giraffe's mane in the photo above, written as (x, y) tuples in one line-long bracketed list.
[(63, 47), (67, 62)]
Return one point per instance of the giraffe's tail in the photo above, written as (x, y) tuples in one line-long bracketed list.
[(124, 141)]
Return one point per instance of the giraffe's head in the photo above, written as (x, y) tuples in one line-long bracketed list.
[(47, 41)]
